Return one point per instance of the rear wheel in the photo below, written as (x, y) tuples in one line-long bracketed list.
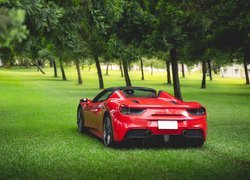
[(108, 139), (80, 119)]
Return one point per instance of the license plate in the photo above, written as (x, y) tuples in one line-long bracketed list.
[(167, 125)]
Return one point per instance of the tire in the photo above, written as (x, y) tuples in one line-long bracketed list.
[(108, 138), (80, 120)]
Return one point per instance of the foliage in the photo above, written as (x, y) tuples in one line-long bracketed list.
[(42, 16), (232, 23), (11, 26), (126, 30), (7, 55), (118, 50), (171, 21), (132, 30)]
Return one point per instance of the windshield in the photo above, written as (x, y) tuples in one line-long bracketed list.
[(139, 93)]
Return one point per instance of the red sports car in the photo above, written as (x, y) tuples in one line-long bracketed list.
[(121, 113)]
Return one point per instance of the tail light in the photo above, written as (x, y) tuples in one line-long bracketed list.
[(131, 111), (197, 112)]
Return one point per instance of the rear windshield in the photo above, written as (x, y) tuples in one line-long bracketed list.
[(139, 93)]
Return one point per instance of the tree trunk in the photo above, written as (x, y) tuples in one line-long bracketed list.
[(78, 72), (215, 69), (39, 62), (246, 71), (82, 67), (107, 69), (120, 64), (182, 70), (209, 69), (55, 69), (50, 63), (204, 72), (36, 64), (27, 63), (176, 81), (22, 61), (38, 68), (142, 71), (152, 68), (126, 74), (43, 64), (12, 63), (62, 70), (168, 72), (99, 72)]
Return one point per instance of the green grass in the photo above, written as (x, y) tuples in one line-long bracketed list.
[(39, 140)]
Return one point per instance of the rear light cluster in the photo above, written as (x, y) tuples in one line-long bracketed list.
[(131, 111), (197, 112)]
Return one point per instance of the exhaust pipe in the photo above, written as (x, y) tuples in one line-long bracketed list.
[(185, 133), (148, 133)]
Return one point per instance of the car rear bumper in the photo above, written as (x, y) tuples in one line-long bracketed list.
[(131, 127)]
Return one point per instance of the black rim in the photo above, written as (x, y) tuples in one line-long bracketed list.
[(107, 131), (79, 119)]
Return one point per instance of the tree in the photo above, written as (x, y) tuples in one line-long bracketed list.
[(41, 18), (165, 57), (199, 32), (107, 66), (50, 48), (12, 30), (99, 17), (168, 72), (204, 74), (142, 70), (231, 29), (78, 71), (11, 26), (170, 33), (182, 69), (120, 67), (68, 36), (130, 34), (44, 54), (209, 69), (7, 55)]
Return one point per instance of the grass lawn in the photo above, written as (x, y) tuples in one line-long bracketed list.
[(39, 140)]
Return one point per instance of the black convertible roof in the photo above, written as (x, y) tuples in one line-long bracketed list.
[(123, 88), (130, 88)]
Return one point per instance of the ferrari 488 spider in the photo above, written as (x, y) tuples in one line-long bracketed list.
[(121, 113)]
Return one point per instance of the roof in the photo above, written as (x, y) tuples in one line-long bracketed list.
[(130, 88), (123, 88)]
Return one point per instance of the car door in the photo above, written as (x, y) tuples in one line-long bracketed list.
[(94, 111)]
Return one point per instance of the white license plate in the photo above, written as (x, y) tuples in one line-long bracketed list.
[(167, 125)]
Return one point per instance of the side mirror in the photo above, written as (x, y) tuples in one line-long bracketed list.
[(83, 100), (87, 101)]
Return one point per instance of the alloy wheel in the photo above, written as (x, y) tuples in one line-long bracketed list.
[(107, 132)]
